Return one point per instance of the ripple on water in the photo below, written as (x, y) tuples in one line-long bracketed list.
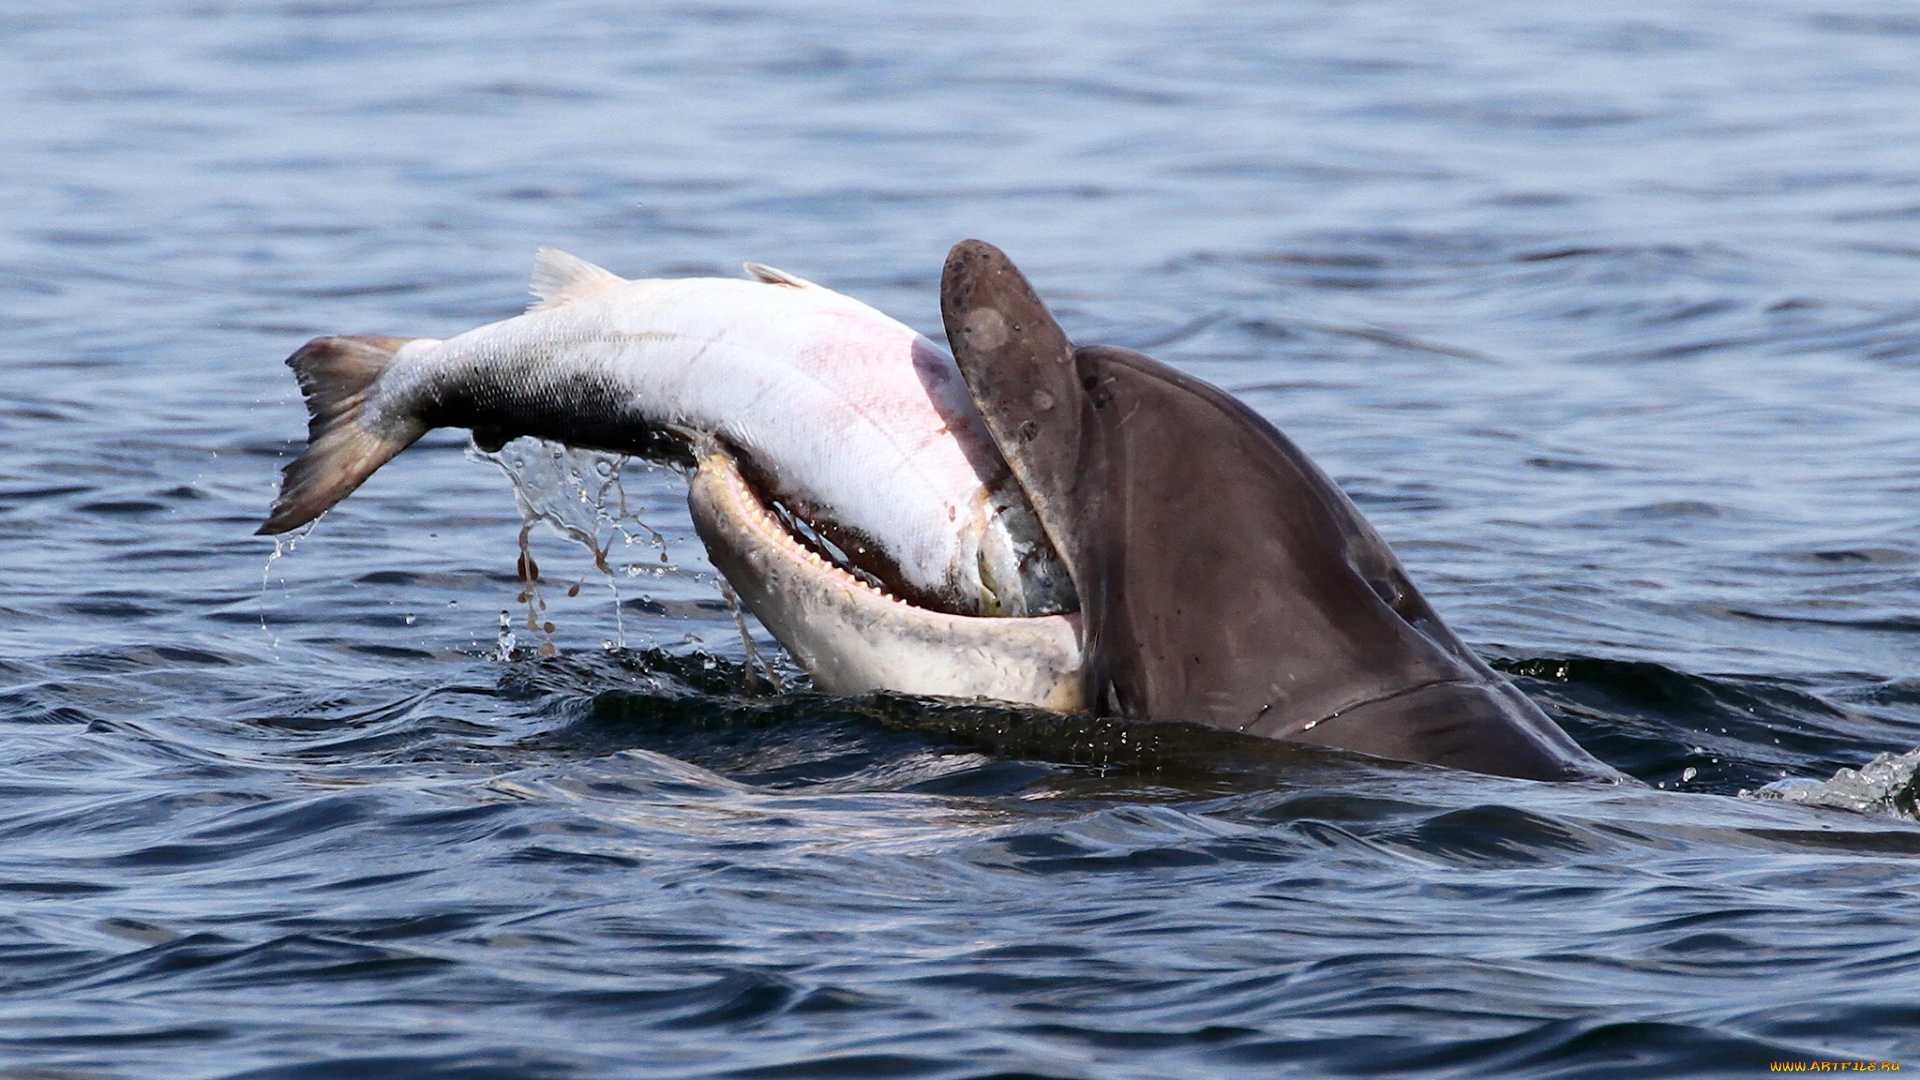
[(1606, 322)]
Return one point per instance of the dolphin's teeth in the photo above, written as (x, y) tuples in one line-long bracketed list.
[(757, 510)]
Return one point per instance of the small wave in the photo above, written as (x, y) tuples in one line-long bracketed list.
[(1707, 733)]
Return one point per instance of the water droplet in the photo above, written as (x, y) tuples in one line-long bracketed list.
[(1688, 774), (505, 642)]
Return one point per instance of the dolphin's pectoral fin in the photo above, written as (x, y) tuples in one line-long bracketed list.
[(1467, 724)]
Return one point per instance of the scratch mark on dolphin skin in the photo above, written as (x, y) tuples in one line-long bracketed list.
[(987, 327)]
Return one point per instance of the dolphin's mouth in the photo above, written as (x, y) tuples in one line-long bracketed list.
[(813, 538), (847, 553), (854, 637), (783, 531), (1001, 573)]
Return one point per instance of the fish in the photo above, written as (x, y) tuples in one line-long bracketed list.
[(856, 429)]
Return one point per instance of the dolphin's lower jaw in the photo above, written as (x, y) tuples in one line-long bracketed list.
[(1484, 727), (854, 639)]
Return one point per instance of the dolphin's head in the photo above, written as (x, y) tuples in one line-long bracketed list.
[(1222, 577)]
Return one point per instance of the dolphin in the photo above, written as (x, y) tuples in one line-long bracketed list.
[(1219, 577), (1223, 578)]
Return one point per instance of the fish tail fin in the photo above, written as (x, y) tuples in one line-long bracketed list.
[(335, 374)]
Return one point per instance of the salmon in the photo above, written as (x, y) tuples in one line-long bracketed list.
[(858, 430)]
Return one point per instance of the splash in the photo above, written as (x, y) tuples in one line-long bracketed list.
[(1885, 785), (577, 494), (283, 546), (754, 662)]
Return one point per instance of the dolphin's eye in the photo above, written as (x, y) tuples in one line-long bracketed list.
[(1388, 590), (1398, 593), (1097, 391)]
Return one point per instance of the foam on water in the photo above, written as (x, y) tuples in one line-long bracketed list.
[(1885, 785)]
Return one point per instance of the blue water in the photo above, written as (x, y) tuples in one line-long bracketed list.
[(1608, 317)]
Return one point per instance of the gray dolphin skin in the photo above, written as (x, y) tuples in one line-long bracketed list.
[(1223, 578)]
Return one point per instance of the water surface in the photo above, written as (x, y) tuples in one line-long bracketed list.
[(1609, 319)]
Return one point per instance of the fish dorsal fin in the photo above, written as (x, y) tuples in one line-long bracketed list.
[(560, 278), (768, 274)]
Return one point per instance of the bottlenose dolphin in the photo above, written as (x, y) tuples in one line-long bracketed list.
[(1222, 577)]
